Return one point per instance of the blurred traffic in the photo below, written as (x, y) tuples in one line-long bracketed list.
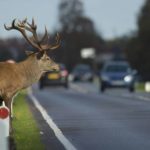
[(113, 74), (82, 72), (117, 74), (55, 78)]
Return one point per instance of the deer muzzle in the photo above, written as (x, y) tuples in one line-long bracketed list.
[(55, 67)]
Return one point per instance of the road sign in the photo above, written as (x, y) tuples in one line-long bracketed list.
[(88, 53)]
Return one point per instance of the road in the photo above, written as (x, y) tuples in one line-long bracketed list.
[(114, 120)]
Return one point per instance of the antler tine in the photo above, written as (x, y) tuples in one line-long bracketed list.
[(57, 42), (52, 47), (57, 39), (45, 37), (23, 25), (12, 25), (32, 25), (32, 28), (23, 21), (35, 37)]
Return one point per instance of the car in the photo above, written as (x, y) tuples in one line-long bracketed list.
[(55, 78), (82, 72), (117, 74)]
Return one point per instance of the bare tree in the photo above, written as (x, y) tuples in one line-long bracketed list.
[(78, 32)]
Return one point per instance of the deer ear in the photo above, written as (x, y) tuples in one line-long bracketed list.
[(28, 53)]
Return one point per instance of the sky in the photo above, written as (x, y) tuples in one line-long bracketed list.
[(112, 18)]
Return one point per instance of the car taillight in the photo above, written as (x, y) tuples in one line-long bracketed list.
[(64, 73)]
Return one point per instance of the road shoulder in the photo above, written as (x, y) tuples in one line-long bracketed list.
[(47, 135)]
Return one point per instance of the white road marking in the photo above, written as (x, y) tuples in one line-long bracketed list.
[(143, 98), (58, 133), (137, 96)]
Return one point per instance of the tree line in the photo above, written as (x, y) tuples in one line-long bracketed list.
[(138, 45), (77, 31)]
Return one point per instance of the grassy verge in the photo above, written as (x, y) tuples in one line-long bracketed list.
[(26, 132), (140, 86)]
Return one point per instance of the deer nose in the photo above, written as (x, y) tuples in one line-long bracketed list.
[(56, 68)]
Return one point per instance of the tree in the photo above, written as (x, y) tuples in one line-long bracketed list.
[(69, 11), (138, 51), (77, 32)]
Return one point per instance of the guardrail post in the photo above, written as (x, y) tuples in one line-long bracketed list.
[(147, 86), (4, 127)]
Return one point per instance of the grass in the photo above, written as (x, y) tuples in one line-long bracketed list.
[(26, 133), (140, 86)]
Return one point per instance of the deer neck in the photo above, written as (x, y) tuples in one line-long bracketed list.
[(31, 71)]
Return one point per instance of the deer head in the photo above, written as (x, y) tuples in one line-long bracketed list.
[(41, 45)]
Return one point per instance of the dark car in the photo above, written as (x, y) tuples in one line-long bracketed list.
[(82, 72), (117, 74), (55, 78)]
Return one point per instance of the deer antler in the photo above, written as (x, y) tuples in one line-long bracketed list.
[(23, 26)]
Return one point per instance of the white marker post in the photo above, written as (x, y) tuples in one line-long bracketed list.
[(4, 127)]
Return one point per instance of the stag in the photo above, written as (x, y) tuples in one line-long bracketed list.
[(17, 76)]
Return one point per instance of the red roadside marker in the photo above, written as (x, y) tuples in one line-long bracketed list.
[(4, 112)]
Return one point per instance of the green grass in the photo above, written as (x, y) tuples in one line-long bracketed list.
[(140, 86), (26, 132)]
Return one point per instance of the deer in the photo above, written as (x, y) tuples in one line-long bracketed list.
[(20, 75)]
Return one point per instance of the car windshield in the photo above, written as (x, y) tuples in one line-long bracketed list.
[(116, 68), (80, 68)]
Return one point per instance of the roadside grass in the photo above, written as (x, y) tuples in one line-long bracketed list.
[(140, 86), (26, 133)]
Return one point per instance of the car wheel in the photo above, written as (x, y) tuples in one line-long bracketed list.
[(102, 88), (91, 80), (131, 89), (66, 85), (75, 79), (41, 86)]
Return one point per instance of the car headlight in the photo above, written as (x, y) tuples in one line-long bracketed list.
[(71, 77), (128, 78)]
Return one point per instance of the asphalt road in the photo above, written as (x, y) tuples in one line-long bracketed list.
[(115, 120)]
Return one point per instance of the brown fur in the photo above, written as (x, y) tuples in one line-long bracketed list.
[(17, 76), (14, 77)]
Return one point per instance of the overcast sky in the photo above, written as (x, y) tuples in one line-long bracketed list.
[(111, 17)]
